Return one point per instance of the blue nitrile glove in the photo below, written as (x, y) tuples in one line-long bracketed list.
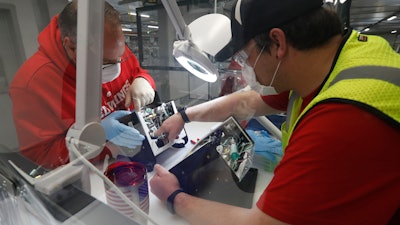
[(267, 150), (265, 145), (119, 133)]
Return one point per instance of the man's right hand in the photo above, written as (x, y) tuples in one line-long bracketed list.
[(171, 126)]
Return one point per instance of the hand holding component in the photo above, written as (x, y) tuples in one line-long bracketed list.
[(140, 92), (119, 133), (171, 127)]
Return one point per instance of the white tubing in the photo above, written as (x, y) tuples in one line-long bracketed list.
[(265, 122)]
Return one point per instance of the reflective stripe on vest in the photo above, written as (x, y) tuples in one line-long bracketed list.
[(374, 88), (391, 75)]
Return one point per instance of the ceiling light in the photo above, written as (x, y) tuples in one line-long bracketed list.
[(335, 1), (391, 18), (127, 29), (141, 15), (152, 26)]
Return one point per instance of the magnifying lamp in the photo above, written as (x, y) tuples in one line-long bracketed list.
[(205, 36)]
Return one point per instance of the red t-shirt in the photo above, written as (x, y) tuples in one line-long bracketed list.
[(341, 166)]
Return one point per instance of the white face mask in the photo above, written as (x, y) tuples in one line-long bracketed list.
[(250, 77), (110, 72)]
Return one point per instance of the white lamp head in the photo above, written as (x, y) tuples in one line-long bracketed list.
[(208, 35), (211, 32), (195, 61)]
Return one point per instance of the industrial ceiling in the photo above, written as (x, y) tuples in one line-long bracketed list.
[(367, 16), (374, 14)]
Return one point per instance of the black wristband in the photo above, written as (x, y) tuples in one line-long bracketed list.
[(170, 200), (184, 116)]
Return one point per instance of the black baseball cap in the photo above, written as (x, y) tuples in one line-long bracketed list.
[(252, 17)]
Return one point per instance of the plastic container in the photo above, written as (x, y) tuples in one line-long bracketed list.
[(131, 179)]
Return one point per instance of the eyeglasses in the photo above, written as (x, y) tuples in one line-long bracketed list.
[(241, 57), (121, 60)]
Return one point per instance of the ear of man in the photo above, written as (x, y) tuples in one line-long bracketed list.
[(278, 37)]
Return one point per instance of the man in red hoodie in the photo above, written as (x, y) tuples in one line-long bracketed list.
[(43, 89)]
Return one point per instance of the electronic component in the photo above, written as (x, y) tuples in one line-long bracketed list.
[(151, 118), (218, 167), (148, 120), (234, 145)]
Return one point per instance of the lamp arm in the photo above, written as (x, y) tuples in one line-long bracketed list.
[(177, 20), (90, 30)]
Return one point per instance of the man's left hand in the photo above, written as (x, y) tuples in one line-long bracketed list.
[(163, 183)]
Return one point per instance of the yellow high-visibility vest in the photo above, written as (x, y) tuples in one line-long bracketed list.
[(366, 74)]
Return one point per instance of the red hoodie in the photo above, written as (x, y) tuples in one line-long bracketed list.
[(43, 97)]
